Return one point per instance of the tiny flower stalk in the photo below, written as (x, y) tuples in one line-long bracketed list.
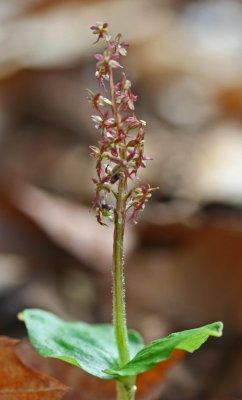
[(119, 156)]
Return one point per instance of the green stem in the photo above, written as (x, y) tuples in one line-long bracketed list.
[(125, 389), (119, 310), (125, 394)]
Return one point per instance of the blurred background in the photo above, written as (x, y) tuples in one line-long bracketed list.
[(184, 258)]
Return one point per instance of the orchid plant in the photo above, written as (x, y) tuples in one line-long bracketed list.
[(111, 351)]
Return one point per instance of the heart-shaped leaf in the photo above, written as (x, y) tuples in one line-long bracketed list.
[(90, 347), (161, 349), (84, 386)]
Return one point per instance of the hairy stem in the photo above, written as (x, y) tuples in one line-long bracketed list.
[(119, 311), (125, 391)]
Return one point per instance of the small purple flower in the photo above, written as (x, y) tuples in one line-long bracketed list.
[(100, 29), (102, 122), (124, 94), (119, 47), (106, 61)]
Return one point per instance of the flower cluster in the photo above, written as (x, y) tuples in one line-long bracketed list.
[(120, 151)]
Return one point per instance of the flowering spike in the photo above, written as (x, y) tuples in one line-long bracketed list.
[(121, 147)]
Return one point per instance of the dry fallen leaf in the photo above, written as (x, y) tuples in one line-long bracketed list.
[(19, 382)]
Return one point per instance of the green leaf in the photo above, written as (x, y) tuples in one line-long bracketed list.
[(90, 347), (161, 349)]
